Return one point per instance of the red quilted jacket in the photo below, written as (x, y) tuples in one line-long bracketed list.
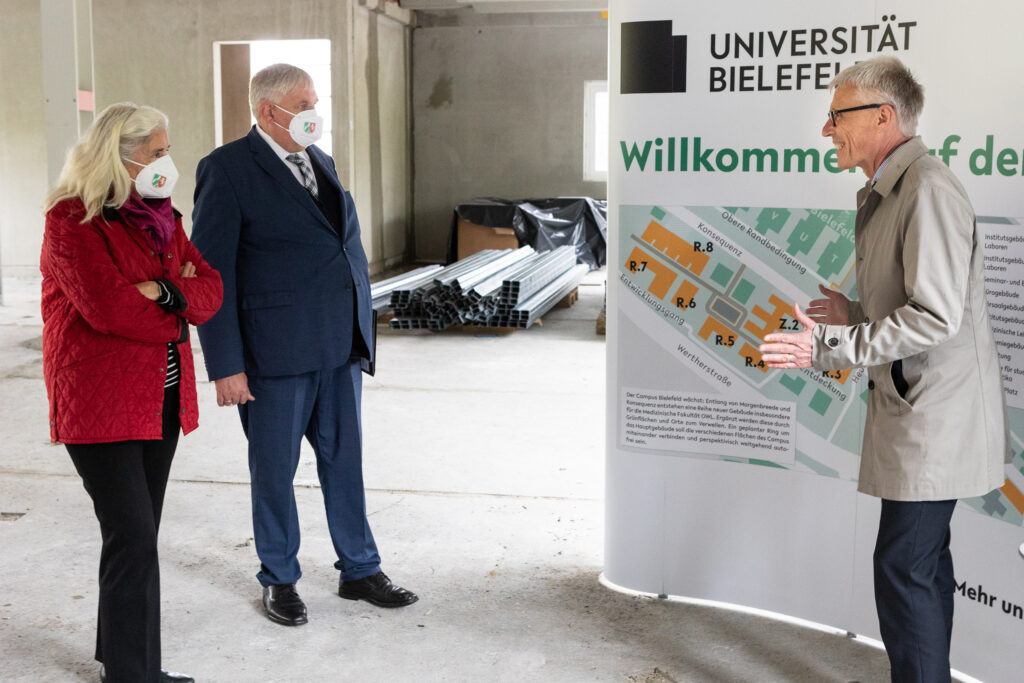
[(104, 343)]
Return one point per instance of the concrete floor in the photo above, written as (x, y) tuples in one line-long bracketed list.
[(484, 459)]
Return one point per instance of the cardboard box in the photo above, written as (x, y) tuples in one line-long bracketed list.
[(473, 238)]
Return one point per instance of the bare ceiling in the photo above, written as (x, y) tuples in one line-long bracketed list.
[(508, 6)]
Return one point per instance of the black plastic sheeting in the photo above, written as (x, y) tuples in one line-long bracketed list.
[(543, 224)]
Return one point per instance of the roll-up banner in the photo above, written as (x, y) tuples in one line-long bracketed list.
[(727, 481)]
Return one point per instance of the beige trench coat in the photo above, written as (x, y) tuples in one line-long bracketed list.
[(936, 422)]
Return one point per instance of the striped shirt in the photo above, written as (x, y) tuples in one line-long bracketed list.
[(173, 376)]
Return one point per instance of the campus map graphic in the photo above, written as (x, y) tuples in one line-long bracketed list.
[(720, 278)]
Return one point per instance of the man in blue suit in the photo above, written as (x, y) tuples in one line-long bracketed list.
[(294, 334)]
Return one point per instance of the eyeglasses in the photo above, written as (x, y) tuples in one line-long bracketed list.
[(832, 113)]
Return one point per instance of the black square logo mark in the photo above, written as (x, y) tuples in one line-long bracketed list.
[(653, 60)]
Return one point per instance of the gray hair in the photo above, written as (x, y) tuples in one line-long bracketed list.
[(887, 80), (94, 170), (274, 82)]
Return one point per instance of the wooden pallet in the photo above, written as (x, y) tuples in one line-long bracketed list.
[(478, 330), (569, 300)]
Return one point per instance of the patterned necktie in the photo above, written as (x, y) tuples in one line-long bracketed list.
[(308, 181)]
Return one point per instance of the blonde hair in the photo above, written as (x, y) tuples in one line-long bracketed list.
[(93, 171), (274, 82)]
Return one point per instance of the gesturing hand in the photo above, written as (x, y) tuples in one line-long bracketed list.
[(790, 349), (834, 309)]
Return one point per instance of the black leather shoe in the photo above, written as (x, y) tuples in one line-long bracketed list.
[(284, 605), (376, 590), (165, 677)]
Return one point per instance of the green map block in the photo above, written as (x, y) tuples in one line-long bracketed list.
[(821, 402), (721, 275), (834, 258), (658, 213), (793, 383), (766, 463), (771, 219), (804, 235), (743, 291)]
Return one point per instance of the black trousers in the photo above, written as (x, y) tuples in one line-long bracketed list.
[(127, 480), (914, 587)]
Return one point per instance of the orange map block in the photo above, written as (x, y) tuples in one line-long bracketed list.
[(755, 356), (686, 292), (1014, 495), (712, 325), (675, 247), (664, 276), (843, 375), (771, 320)]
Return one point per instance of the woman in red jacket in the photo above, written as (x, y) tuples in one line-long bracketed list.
[(121, 284)]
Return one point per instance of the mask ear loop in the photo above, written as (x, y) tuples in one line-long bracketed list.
[(132, 161), (286, 112)]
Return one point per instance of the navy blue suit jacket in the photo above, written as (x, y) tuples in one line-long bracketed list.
[(295, 290)]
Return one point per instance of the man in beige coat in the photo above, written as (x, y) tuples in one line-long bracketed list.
[(936, 424)]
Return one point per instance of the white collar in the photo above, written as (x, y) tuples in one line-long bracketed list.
[(280, 151)]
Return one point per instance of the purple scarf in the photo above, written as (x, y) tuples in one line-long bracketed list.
[(154, 217)]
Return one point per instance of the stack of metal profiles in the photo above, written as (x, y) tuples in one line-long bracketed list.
[(381, 291), (492, 288), (527, 312), (529, 280)]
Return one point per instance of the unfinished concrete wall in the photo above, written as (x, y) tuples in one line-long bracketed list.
[(161, 54), (22, 139), (498, 110), (383, 154)]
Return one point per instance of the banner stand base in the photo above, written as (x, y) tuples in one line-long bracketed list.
[(775, 616)]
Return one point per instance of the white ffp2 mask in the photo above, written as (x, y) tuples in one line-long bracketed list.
[(305, 127), (156, 180)]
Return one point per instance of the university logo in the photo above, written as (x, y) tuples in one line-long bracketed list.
[(653, 60)]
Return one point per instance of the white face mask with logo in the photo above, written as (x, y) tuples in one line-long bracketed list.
[(305, 128), (156, 180)]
